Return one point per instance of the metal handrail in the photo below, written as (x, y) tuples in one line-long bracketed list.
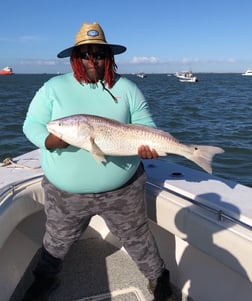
[(220, 214), (12, 188)]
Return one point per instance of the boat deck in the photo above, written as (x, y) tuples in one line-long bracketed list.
[(202, 225), (95, 269)]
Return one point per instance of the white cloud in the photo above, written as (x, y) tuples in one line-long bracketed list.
[(144, 60), (231, 60), (24, 38), (186, 60), (39, 62)]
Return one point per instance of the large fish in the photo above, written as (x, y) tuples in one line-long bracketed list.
[(102, 136)]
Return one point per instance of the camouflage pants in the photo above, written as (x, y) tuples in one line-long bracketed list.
[(123, 210)]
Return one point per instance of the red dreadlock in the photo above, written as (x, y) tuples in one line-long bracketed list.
[(79, 70)]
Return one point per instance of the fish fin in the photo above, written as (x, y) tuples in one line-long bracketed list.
[(202, 155), (97, 152), (161, 153)]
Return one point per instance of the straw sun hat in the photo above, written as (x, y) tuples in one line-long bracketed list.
[(91, 34)]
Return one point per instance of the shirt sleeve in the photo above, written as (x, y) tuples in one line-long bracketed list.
[(38, 115), (140, 111)]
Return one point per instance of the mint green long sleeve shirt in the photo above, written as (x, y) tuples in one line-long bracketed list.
[(72, 169)]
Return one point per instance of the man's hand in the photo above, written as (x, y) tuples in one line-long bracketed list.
[(54, 142), (144, 152)]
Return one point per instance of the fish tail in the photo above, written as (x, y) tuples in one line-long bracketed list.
[(202, 155)]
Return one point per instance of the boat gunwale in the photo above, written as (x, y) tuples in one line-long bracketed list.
[(221, 216), (13, 188)]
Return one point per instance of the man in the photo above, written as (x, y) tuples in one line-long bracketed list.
[(76, 186)]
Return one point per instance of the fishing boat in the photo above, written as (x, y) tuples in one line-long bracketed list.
[(248, 72), (141, 74), (6, 71), (186, 76), (202, 225)]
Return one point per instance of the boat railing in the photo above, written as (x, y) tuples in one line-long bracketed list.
[(219, 214), (15, 187)]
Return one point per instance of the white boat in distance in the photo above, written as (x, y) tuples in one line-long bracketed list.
[(202, 225), (248, 72), (141, 75), (186, 76)]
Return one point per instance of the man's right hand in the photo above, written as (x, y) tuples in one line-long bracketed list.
[(54, 142)]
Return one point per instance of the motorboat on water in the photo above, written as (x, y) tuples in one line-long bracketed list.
[(6, 71), (186, 76), (141, 74), (248, 72), (202, 225)]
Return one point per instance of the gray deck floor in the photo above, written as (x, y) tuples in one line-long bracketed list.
[(96, 270)]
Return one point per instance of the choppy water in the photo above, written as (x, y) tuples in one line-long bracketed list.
[(217, 110)]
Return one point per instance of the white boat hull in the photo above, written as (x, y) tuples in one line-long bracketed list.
[(188, 80), (248, 72), (186, 76), (202, 225)]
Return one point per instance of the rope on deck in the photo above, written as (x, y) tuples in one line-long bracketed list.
[(10, 163)]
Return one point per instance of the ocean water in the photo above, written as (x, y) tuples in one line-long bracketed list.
[(217, 110)]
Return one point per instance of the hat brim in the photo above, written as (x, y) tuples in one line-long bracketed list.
[(116, 49)]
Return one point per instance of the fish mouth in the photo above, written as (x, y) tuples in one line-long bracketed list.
[(56, 134), (51, 129)]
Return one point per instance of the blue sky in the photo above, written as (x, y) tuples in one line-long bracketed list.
[(161, 36)]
